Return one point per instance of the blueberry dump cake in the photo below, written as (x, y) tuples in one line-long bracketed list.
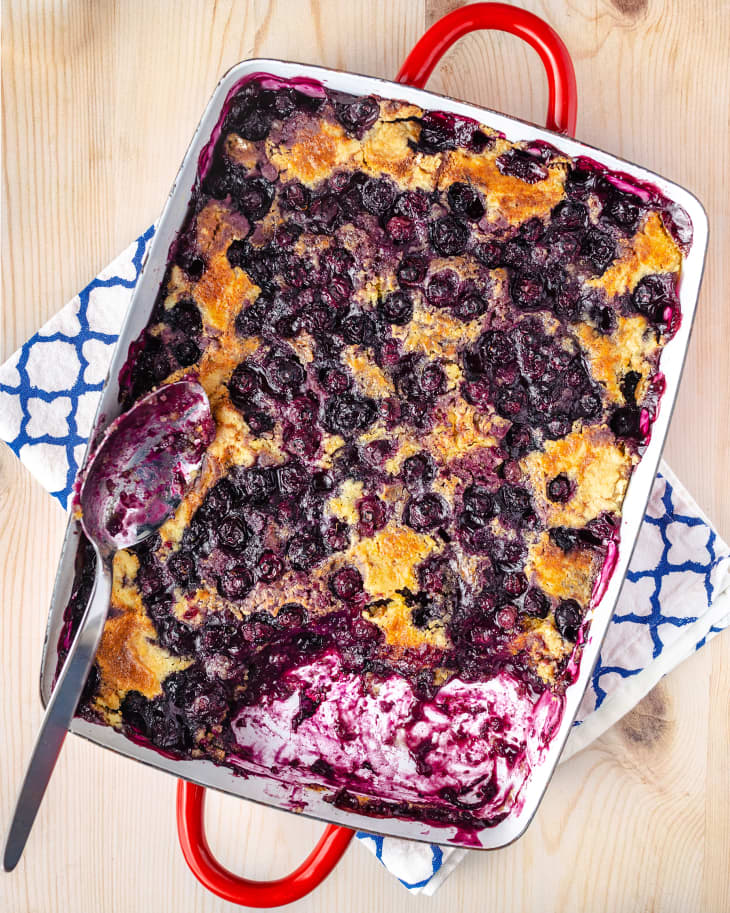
[(432, 356)]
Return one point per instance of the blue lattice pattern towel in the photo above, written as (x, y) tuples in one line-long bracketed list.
[(676, 595)]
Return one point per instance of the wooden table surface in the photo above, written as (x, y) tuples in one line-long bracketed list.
[(99, 102)]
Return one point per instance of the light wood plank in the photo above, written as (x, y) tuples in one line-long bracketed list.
[(99, 103)]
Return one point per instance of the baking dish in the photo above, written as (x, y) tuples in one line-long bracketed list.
[(562, 117)]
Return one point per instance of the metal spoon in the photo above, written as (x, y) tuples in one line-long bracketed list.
[(132, 483)]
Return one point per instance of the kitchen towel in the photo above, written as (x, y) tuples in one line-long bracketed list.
[(676, 595)]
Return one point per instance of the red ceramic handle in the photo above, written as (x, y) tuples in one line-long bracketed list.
[(235, 889), (562, 102), (419, 65)]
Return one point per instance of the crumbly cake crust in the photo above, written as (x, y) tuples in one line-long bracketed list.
[(432, 359)]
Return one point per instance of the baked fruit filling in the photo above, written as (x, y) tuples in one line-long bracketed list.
[(432, 357)]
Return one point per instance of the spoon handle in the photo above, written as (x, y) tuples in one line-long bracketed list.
[(59, 713)]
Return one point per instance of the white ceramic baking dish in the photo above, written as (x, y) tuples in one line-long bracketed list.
[(269, 791)]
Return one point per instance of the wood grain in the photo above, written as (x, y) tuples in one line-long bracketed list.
[(99, 103)]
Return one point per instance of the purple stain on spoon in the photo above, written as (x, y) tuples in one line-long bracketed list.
[(144, 464)]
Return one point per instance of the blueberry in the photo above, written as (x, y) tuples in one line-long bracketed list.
[(378, 451), (134, 709), (150, 579), (242, 385), (653, 295), (604, 318), (509, 552), (400, 229), (336, 261), (464, 200), (235, 582), (251, 319), (568, 618), (558, 425), (254, 198), (479, 506), (449, 236), (519, 163), (256, 127), (269, 567), (416, 380), (559, 489), (437, 133), (217, 502), (527, 292), (426, 512), (175, 636), (302, 442), (152, 366), (304, 550), (564, 537), (284, 375), (258, 421), (372, 513), (232, 534), (532, 361), (412, 270), (357, 114), (358, 329), (187, 353), (418, 471), (294, 271), (570, 215), (293, 479), (259, 484), (495, 349), (598, 249), (518, 440), (187, 255), (284, 103), (580, 183), (623, 209), (322, 482), (626, 422), (515, 502), (558, 250), (337, 536), (306, 102), (510, 402), (182, 567), (588, 406), (324, 212), (346, 584), (378, 195), (222, 177), (536, 603), (295, 196), (629, 383), (413, 204), (489, 253), (567, 303), (397, 308), (432, 380), (469, 306), (349, 415), (291, 615), (334, 379), (514, 583), (442, 288), (185, 317)]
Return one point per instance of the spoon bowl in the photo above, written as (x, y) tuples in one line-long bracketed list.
[(138, 475)]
